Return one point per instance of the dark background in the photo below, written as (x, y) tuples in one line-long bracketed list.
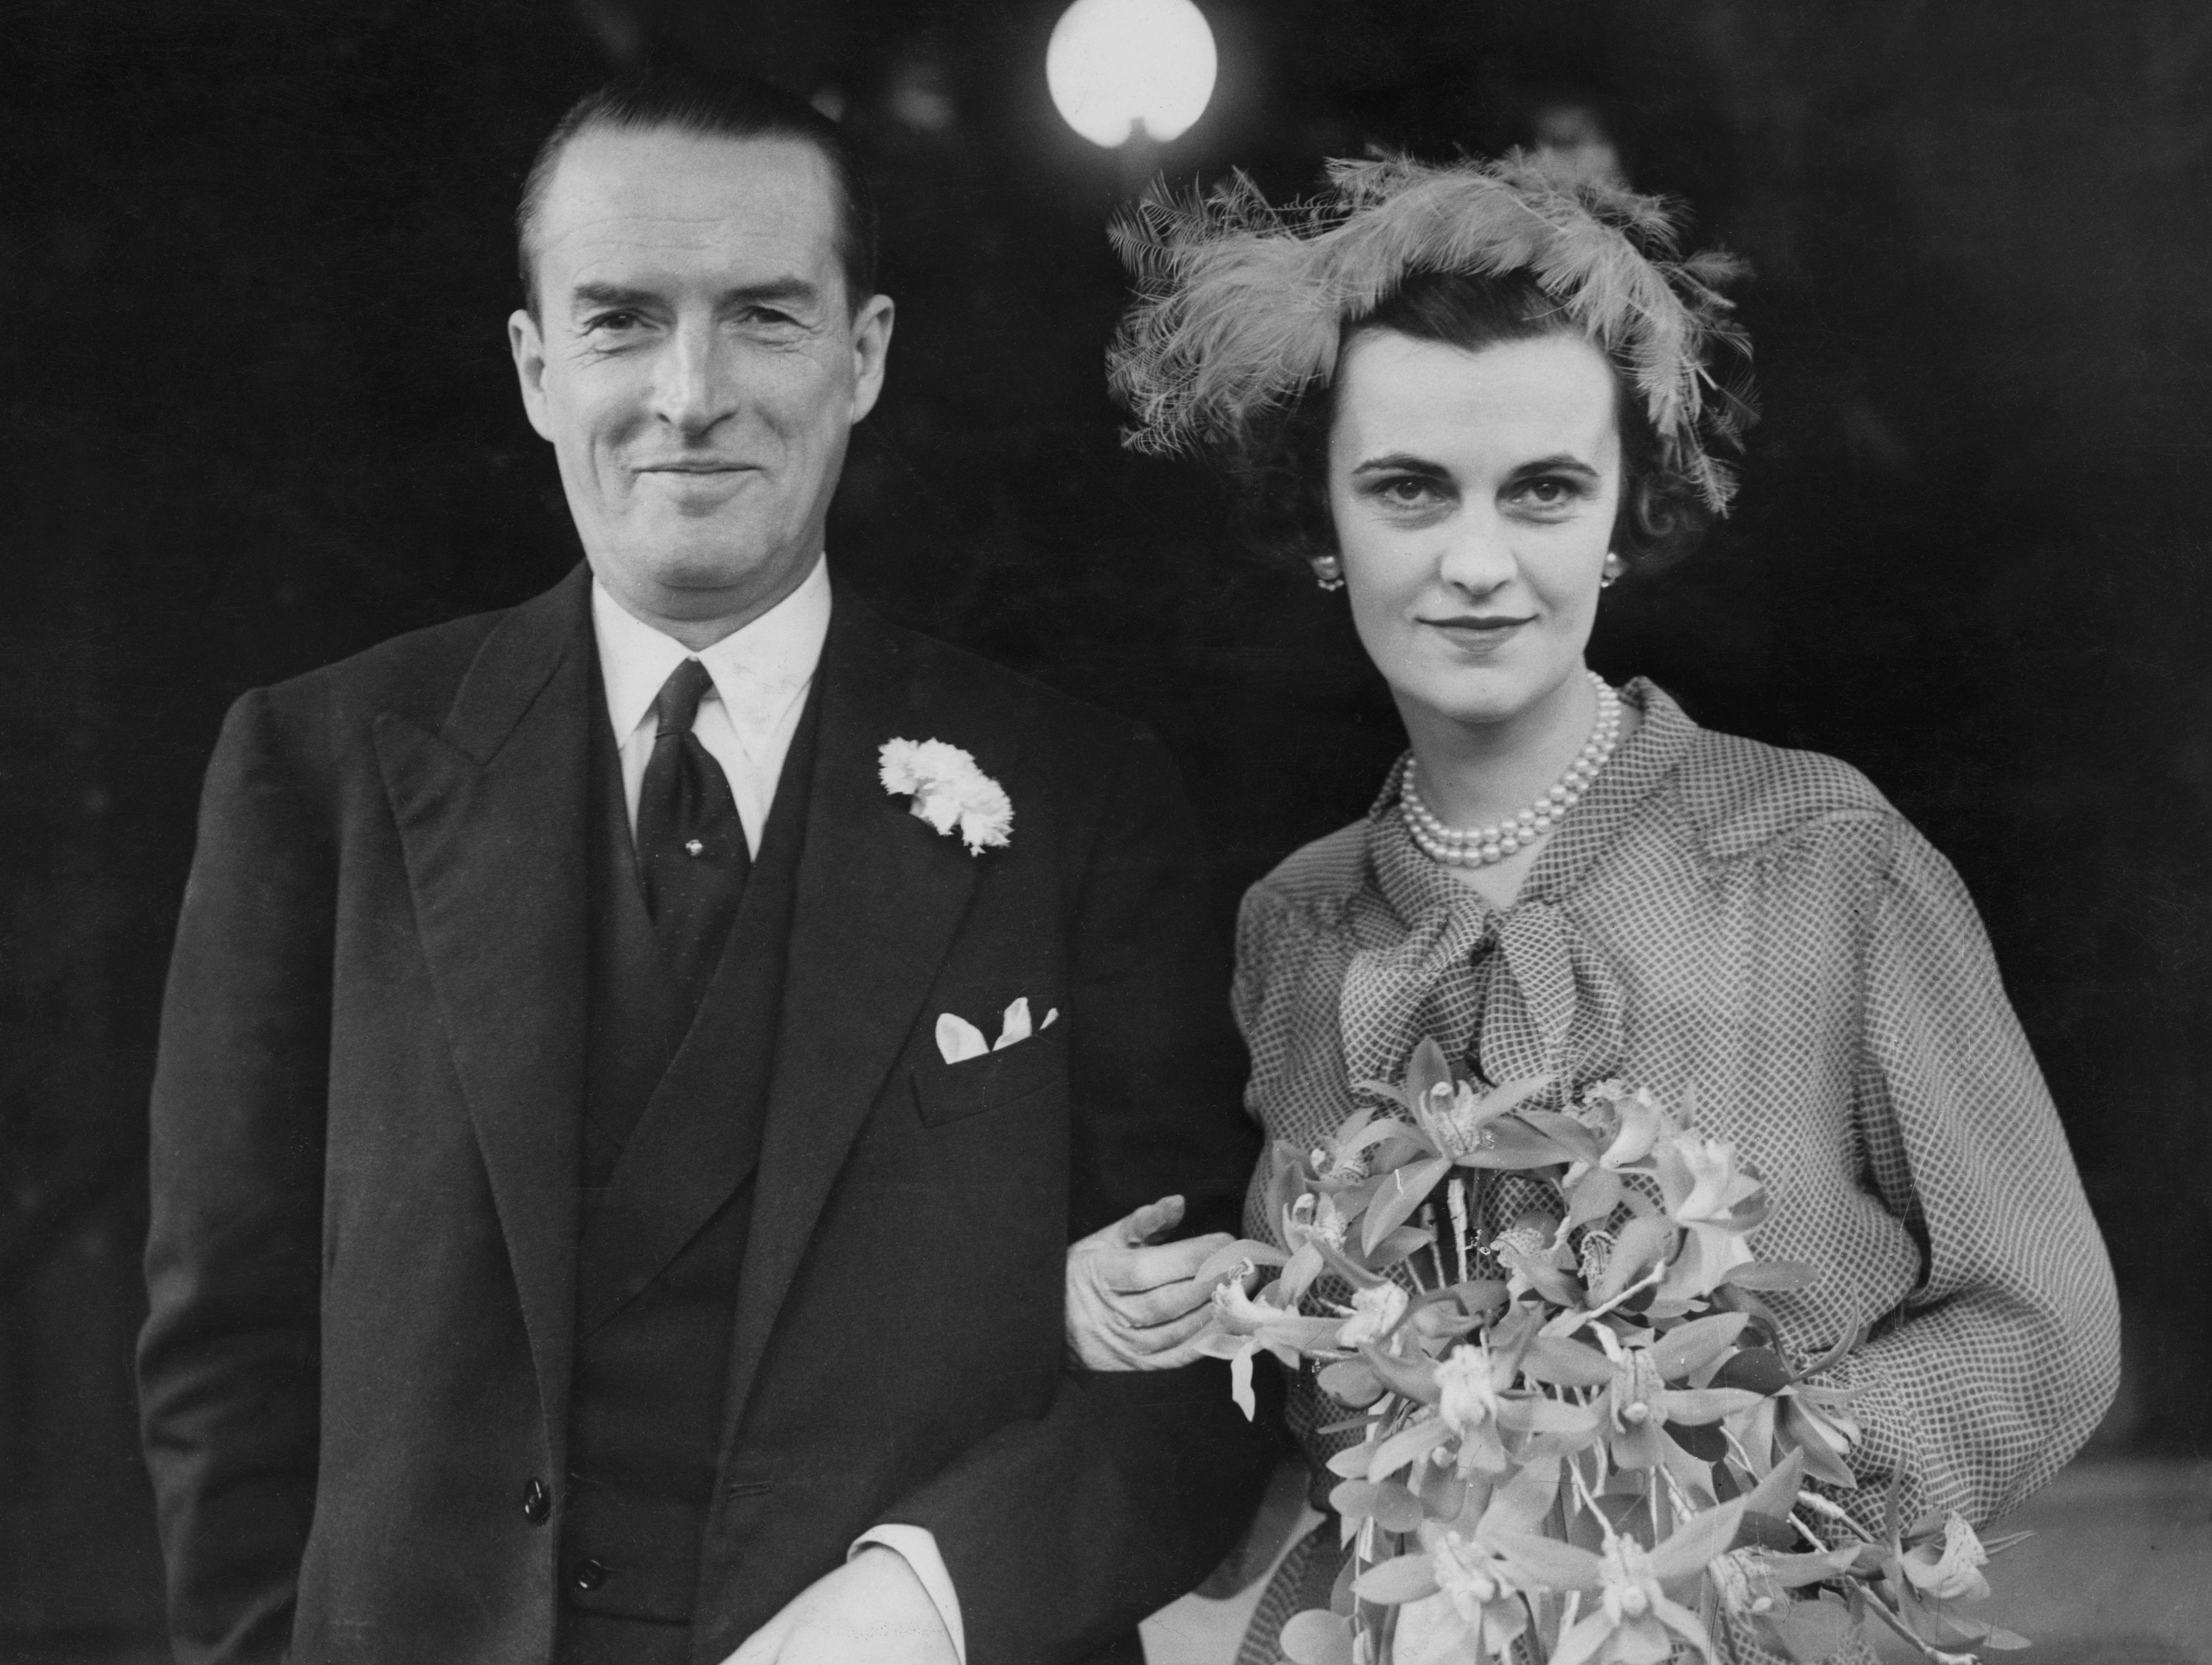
[(256, 413)]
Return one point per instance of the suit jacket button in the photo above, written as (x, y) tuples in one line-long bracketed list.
[(536, 1502), (589, 1574)]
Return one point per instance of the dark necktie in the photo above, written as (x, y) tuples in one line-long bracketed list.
[(691, 851)]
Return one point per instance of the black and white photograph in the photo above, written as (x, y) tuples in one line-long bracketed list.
[(1106, 832)]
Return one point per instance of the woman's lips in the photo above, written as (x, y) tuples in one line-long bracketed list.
[(1474, 630)]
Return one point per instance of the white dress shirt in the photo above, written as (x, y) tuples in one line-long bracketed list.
[(761, 674)]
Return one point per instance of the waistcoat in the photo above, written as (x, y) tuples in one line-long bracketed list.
[(671, 1099)]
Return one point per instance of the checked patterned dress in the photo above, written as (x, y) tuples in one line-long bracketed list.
[(1757, 934)]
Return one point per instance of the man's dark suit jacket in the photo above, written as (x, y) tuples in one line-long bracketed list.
[(363, 1263)]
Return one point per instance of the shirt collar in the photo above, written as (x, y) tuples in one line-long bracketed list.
[(779, 649)]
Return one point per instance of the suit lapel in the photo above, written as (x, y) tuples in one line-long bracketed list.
[(491, 815), (880, 898)]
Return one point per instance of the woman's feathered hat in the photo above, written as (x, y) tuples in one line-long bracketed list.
[(1242, 306)]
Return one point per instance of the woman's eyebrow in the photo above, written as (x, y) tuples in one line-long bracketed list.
[(1560, 462), (1402, 462)]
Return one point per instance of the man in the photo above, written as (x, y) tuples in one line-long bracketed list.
[(588, 1223)]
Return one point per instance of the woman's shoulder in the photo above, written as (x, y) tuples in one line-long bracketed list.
[(1292, 936), (1313, 881), (1743, 795)]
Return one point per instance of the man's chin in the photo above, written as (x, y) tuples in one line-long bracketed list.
[(692, 576)]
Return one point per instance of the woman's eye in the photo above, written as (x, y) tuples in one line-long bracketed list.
[(1408, 491), (1547, 492)]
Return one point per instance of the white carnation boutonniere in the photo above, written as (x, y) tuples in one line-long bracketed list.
[(949, 792)]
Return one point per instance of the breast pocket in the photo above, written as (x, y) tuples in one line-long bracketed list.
[(953, 1092)]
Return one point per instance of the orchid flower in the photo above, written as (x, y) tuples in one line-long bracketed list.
[(1244, 1325), (1469, 1380), (1630, 1127), (1341, 1160), (1950, 1570), (1536, 1256), (1642, 1120), (1472, 1400), (1636, 1620), (1715, 1200), (1374, 1313), (1481, 1588), (1941, 1566), (1641, 1397), (1464, 1587), (1463, 1123), (1315, 1214)]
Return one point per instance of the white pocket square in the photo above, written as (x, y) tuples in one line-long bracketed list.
[(958, 1040)]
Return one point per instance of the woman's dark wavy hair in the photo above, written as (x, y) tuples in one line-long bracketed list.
[(1278, 467)]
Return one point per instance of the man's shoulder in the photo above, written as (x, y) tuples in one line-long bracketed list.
[(322, 728), (416, 675), (399, 672)]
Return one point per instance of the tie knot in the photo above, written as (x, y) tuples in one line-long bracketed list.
[(678, 703)]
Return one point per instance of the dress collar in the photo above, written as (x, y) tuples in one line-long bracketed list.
[(778, 650), (1414, 885)]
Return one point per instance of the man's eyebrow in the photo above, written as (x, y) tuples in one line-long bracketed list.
[(585, 296), (781, 290), (774, 291)]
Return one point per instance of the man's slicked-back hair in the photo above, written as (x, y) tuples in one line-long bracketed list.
[(709, 106)]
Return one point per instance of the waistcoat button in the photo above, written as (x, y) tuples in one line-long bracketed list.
[(589, 1574), (536, 1502)]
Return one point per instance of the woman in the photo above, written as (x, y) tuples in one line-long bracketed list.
[(1473, 397)]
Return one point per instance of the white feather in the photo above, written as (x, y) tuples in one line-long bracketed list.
[(1240, 305)]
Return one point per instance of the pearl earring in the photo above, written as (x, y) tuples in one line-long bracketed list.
[(1614, 565), (1328, 572)]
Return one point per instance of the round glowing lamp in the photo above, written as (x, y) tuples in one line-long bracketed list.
[(1119, 69)]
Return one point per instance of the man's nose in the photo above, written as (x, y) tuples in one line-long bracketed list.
[(1477, 555), (693, 384)]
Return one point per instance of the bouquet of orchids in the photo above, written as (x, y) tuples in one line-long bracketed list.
[(1583, 1442)]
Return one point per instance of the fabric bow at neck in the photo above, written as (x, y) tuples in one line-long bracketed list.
[(1509, 993)]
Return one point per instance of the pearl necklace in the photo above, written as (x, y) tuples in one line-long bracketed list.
[(1481, 846)]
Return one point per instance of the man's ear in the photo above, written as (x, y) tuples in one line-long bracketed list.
[(871, 346), (524, 341)]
